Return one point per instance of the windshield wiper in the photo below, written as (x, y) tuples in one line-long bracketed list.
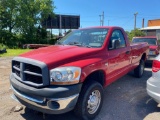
[(88, 46), (79, 44), (75, 43)]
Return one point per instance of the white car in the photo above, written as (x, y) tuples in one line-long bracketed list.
[(153, 83)]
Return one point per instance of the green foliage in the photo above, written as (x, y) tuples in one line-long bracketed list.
[(134, 33), (52, 41), (68, 32), (8, 14), (31, 15), (20, 21), (7, 38), (2, 46)]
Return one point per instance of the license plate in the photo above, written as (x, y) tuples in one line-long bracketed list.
[(151, 52)]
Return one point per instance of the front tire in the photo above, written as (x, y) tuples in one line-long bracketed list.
[(140, 69), (90, 101)]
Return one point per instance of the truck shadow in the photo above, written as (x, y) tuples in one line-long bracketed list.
[(33, 115), (125, 99)]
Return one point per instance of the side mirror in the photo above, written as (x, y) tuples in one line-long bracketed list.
[(115, 44)]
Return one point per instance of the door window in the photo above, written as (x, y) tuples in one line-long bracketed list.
[(118, 35)]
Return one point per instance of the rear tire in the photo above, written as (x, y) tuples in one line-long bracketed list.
[(140, 69), (90, 101)]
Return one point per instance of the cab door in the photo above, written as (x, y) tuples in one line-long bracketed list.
[(118, 59)]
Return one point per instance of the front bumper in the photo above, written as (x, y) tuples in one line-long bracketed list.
[(153, 89), (50, 100)]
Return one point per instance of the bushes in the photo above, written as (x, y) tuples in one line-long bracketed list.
[(134, 33), (2, 49), (9, 39), (12, 40)]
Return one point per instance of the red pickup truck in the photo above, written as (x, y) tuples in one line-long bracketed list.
[(154, 47), (73, 73)]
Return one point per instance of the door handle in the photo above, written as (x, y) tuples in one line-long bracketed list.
[(127, 52)]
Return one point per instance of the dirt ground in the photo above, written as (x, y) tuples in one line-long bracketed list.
[(6, 103), (125, 99)]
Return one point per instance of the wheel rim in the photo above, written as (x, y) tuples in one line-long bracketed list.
[(94, 101)]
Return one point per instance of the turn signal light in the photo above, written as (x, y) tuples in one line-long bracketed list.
[(155, 66)]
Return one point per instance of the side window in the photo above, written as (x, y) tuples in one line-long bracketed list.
[(118, 35)]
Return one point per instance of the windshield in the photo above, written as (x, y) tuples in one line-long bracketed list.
[(150, 41), (93, 37)]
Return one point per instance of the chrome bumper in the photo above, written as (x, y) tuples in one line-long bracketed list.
[(153, 88), (46, 105)]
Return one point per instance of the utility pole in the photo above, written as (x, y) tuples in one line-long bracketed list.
[(135, 16), (143, 23), (60, 25), (51, 29), (102, 19)]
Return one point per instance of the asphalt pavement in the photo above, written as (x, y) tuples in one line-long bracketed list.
[(125, 99)]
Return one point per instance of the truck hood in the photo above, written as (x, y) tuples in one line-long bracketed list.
[(58, 55), (153, 47)]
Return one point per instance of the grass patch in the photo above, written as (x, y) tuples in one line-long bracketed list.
[(14, 52)]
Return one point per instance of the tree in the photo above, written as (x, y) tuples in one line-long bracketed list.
[(32, 12), (8, 14), (135, 33), (68, 32), (24, 16)]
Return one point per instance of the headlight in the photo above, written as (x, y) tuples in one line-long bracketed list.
[(65, 75)]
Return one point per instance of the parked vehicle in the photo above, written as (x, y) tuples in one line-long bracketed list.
[(34, 46), (73, 73), (153, 45), (153, 83)]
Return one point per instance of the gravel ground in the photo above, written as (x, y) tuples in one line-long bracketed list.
[(125, 99)]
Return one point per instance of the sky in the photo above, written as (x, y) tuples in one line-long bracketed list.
[(116, 12)]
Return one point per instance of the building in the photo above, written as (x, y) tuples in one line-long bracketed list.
[(153, 28)]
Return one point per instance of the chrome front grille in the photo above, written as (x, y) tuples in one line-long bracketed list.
[(30, 72)]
